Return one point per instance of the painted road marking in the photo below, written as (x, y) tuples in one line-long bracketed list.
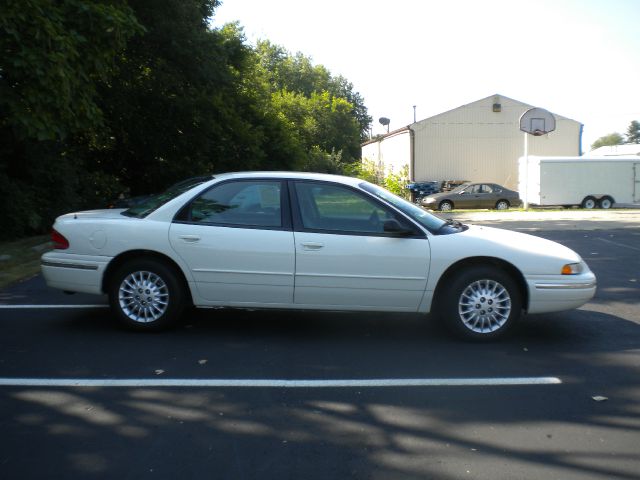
[(617, 243), (9, 307), (275, 383)]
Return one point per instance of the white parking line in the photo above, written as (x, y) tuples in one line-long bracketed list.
[(9, 307), (275, 383), (617, 243)]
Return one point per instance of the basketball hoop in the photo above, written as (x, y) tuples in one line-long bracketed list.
[(537, 121)]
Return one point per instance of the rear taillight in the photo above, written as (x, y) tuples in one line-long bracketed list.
[(59, 242)]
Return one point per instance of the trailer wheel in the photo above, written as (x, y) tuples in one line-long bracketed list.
[(605, 202), (589, 203)]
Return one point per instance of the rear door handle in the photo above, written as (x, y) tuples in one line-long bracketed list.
[(190, 238), (312, 246)]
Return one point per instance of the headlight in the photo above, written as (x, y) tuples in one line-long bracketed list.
[(429, 200), (573, 268)]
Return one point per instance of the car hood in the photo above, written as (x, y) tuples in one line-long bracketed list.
[(532, 255), (521, 242), (442, 194)]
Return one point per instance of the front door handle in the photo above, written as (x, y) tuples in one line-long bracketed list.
[(312, 246), (190, 238)]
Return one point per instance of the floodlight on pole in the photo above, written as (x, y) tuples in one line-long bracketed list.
[(385, 122)]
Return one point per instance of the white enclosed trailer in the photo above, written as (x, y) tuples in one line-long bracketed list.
[(587, 182)]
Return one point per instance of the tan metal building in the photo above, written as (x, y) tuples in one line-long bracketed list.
[(480, 141)]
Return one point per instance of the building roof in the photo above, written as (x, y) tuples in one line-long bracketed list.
[(498, 97), (393, 133), (492, 97), (615, 151)]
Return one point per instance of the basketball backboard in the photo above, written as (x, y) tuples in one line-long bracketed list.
[(537, 121)]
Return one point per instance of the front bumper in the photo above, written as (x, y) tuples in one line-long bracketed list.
[(555, 293), (74, 273)]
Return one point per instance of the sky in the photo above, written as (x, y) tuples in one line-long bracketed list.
[(578, 59)]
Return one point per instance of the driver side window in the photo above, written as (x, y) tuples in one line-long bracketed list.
[(338, 209)]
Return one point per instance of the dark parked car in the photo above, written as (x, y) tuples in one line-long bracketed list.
[(473, 195), (419, 190)]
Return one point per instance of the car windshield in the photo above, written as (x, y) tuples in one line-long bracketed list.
[(461, 188), (424, 218), (154, 202)]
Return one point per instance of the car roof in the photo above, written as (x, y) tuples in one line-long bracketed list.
[(290, 175)]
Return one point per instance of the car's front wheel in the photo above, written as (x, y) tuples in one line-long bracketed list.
[(445, 206), (480, 303), (146, 295)]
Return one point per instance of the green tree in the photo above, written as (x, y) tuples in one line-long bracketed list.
[(52, 57), (85, 112), (296, 74), (53, 54), (188, 100), (608, 140), (633, 132)]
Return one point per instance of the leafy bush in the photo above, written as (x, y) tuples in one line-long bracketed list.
[(369, 171)]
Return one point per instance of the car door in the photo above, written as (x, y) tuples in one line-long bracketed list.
[(344, 258), (487, 196), (237, 241), (469, 198)]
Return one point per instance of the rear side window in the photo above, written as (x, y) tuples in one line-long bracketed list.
[(239, 203)]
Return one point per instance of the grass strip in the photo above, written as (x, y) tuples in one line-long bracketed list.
[(20, 259)]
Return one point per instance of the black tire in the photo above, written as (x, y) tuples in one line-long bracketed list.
[(489, 318), (503, 204), (589, 203), (445, 206), (605, 202), (156, 305)]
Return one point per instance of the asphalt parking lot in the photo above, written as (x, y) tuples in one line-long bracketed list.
[(290, 395)]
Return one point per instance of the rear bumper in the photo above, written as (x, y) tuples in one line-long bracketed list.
[(560, 292), (74, 273)]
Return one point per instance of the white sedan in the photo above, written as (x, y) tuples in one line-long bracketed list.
[(308, 241)]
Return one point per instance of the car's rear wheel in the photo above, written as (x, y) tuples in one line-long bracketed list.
[(502, 205), (146, 295), (445, 206), (480, 303)]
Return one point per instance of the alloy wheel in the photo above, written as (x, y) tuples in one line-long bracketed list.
[(143, 296), (484, 306)]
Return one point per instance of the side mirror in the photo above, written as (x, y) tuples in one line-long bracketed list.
[(395, 228)]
